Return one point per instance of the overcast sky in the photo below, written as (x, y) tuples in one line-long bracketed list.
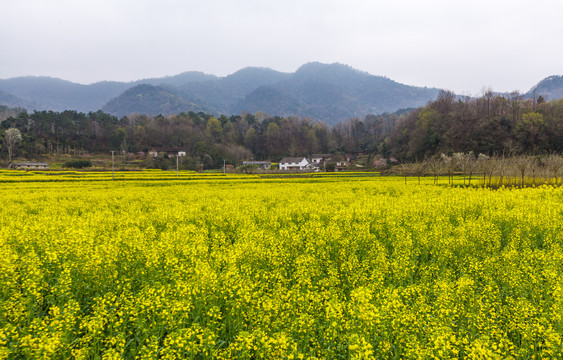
[(462, 46)]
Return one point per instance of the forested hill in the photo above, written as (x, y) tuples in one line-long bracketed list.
[(9, 100), (327, 92), (330, 93), (149, 99), (333, 93)]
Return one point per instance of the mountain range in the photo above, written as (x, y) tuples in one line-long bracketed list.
[(326, 92), (549, 88)]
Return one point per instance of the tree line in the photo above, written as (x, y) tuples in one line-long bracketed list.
[(208, 140), (492, 125), (488, 171)]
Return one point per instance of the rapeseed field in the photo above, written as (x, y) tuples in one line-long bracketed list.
[(155, 265)]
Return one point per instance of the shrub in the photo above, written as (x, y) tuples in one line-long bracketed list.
[(77, 164)]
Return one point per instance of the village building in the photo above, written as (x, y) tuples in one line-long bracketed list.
[(29, 166), (170, 151), (294, 163), (312, 167)]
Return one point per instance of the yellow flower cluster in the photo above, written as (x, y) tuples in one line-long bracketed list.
[(18, 176), (242, 267)]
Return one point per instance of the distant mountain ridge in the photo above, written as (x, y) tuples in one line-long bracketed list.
[(149, 99), (47, 93), (218, 95), (550, 88), (13, 101), (327, 92), (335, 91)]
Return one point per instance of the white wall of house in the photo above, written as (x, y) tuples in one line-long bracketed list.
[(29, 166), (294, 165)]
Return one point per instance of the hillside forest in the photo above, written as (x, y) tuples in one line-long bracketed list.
[(491, 124)]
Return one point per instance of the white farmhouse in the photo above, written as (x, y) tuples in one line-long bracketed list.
[(294, 163)]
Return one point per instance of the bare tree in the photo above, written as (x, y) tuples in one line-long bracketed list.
[(419, 170), (501, 165), (405, 171), (515, 104), (12, 137), (522, 164), (554, 164), (449, 166), (534, 165), (470, 164), (485, 164), (434, 164), (466, 163)]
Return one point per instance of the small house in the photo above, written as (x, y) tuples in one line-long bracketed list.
[(294, 163), (29, 166), (312, 166)]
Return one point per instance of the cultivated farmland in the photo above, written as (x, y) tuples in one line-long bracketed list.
[(155, 265)]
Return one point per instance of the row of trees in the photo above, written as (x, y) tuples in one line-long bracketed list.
[(207, 139), (491, 171), (491, 125)]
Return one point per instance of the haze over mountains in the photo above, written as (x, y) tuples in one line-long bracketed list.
[(326, 92), (550, 88)]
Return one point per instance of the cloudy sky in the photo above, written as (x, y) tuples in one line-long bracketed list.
[(462, 46)]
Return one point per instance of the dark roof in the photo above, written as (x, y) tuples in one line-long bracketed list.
[(321, 155), (30, 164), (166, 149), (292, 159), (256, 162)]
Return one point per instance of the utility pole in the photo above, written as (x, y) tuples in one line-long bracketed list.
[(112, 167), (176, 165), (223, 166)]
